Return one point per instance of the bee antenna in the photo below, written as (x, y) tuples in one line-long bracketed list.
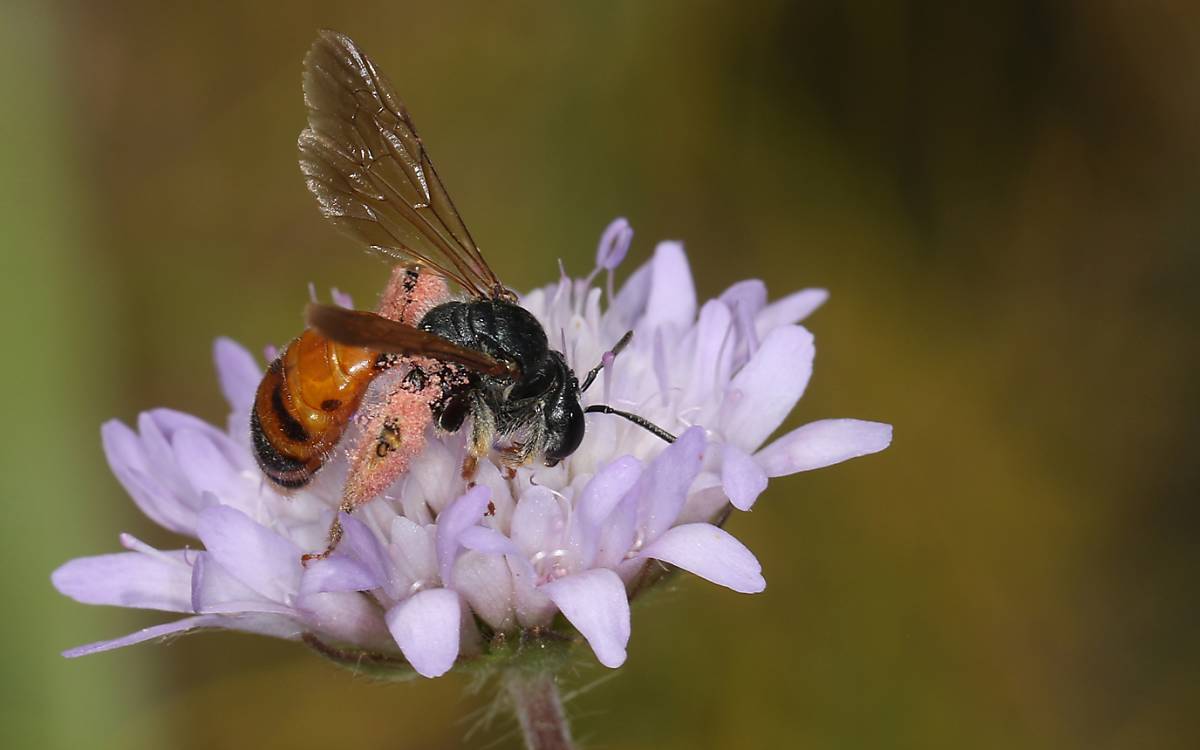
[(640, 421), (591, 376)]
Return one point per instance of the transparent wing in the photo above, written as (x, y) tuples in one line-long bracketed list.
[(366, 165), (371, 331)]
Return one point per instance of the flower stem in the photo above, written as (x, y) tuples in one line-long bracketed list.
[(539, 709)]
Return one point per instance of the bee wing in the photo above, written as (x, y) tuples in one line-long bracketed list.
[(371, 331), (366, 165)]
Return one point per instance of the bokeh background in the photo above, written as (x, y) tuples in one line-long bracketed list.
[(1001, 195)]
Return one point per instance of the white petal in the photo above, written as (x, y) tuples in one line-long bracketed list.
[(823, 443), (763, 392), (427, 627), (710, 553), (596, 604)]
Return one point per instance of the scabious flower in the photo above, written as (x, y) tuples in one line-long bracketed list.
[(431, 573)]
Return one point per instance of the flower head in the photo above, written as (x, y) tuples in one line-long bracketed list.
[(433, 573)]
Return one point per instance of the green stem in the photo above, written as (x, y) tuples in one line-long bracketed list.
[(535, 700)]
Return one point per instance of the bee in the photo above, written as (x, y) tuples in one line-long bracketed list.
[(483, 357)]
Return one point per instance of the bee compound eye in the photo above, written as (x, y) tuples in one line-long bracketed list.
[(564, 427)]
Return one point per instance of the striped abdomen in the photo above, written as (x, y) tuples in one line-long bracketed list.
[(304, 403)]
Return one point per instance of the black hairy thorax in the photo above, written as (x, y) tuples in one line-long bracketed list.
[(541, 403)]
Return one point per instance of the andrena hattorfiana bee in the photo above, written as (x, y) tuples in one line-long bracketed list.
[(482, 358)]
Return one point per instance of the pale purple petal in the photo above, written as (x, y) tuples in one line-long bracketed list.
[(672, 299), (488, 541), (275, 626), (703, 503), (662, 488), (206, 467), (491, 542), (168, 423), (427, 628), (791, 309), (342, 299), (614, 244), (662, 370), (129, 579), (146, 634), (618, 533), (596, 503), (749, 296), (360, 544), (346, 617), (485, 582), (127, 459), (461, 514), (216, 590), (630, 302), (763, 392), (237, 372), (413, 551), (745, 299), (257, 556), (337, 573), (742, 479), (823, 443), (595, 602), (712, 554), (538, 522), (714, 352)]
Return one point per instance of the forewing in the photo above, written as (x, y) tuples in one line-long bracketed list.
[(371, 331), (370, 173)]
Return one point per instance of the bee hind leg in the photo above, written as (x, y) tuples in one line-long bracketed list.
[(335, 537), (483, 434)]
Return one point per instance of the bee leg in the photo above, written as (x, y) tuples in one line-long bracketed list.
[(470, 465), (519, 454), (483, 434), (335, 537)]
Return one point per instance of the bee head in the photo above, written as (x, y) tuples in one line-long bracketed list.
[(564, 418)]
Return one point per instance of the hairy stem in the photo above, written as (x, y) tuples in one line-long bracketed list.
[(534, 697)]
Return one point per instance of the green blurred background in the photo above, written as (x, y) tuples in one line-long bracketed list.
[(1002, 197)]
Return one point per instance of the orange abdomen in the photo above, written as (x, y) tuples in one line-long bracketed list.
[(303, 404)]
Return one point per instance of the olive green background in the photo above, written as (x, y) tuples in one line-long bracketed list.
[(1001, 196)]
